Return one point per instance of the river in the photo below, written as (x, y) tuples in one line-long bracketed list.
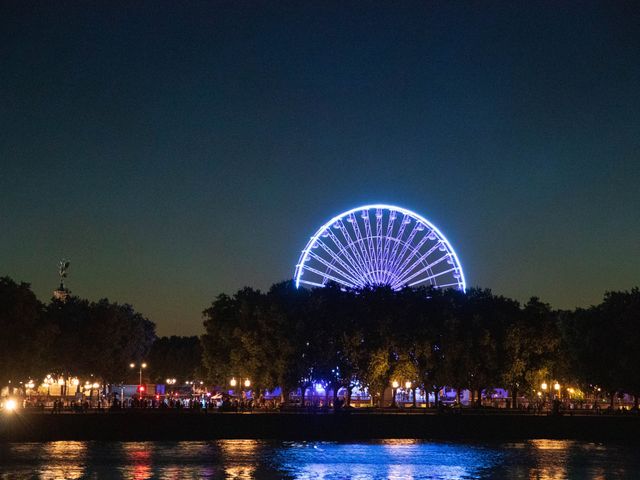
[(384, 459)]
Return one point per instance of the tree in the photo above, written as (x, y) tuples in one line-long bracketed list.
[(531, 344), (602, 342), (26, 333), (176, 357), (97, 339)]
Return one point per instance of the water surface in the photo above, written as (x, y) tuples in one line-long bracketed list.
[(385, 459)]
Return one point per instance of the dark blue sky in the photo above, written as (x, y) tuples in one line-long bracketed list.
[(176, 150)]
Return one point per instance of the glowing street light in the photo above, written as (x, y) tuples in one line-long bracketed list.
[(407, 385), (10, 405), (142, 365), (556, 387), (62, 384), (233, 382), (544, 386), (247, 383), (76, 383), (29, 386), (49, 381), (394, 389)]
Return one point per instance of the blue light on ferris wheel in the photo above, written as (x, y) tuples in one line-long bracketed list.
[(379, 245)]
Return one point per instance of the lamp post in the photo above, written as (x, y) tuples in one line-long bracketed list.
[(76, 383), (556, 387), (233, 382), (394, 389), (407, 391), (141, 366), (49, 381), (29, 386), (247, 384), (544, 387)]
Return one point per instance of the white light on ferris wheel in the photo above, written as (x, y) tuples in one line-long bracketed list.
[(379, 245)]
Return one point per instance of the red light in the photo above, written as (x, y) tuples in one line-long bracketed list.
[(141, 388), (157, 397)]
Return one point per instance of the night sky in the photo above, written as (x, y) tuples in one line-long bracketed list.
[(176, 150)]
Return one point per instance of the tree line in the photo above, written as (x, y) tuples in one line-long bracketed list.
[(295, 338), (474, 340), (85, 339)]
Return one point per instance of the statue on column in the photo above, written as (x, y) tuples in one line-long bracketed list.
[(62, 293)]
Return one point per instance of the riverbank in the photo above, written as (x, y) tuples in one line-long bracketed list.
[(141, 425)]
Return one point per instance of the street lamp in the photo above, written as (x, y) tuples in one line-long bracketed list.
[(233, 382), (142, 365), (76, 383), (247, 383), (556, 387), (394, 389), (49, 381), (29, 387)]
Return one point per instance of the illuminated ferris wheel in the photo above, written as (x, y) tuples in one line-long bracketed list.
[(377, 245)]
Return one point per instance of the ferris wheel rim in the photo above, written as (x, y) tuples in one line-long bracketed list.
[(374, 206)]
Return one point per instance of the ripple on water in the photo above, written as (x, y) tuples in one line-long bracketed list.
[(385, 459)]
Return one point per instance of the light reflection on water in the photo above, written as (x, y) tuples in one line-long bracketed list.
[(385, 459)]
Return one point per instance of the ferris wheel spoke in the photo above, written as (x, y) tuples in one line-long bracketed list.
[(361, 243), (422, 258), (325, 275), (311, 284), (369, 235), (413, 252), (354, 250), (431, 277), (456, 284), (339, 260), (405, 221), (422, 270), (397, 258), (335, 269), (343, 250), (387, 239), (379, 239)]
